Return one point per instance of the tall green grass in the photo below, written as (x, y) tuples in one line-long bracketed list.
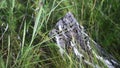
[(25, 24)]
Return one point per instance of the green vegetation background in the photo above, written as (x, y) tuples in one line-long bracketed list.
[(25, 24)]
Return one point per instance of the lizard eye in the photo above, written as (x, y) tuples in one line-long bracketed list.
[(76, 31)]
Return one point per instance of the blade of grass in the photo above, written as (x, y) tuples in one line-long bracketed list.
[(8, 56)]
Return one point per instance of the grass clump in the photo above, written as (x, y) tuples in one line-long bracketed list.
[(24, 28)]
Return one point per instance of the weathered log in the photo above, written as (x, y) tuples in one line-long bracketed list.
[(71, 38)]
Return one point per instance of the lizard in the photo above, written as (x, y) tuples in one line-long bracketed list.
[(72, 38)]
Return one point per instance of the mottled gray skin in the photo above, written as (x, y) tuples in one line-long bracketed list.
[(67, 29), (71, 37)]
